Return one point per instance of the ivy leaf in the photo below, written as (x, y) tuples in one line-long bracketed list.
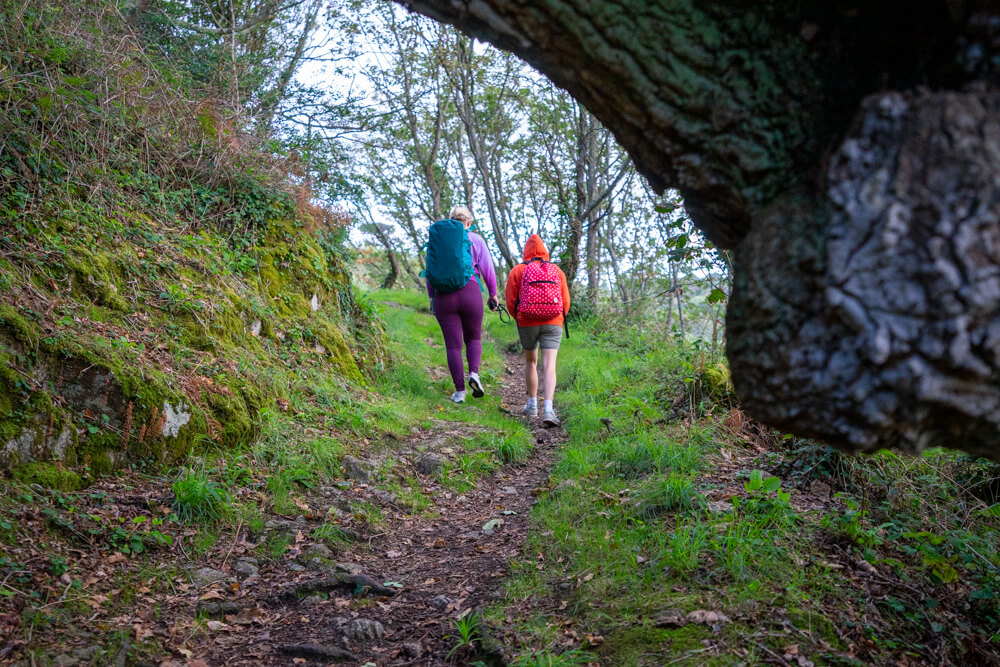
[(717, 296)]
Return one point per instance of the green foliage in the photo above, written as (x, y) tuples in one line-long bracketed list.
[(510, 448), (466, 635), (571, 658), (198, 497)]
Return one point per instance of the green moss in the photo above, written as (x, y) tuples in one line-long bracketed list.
[(49, 476), (19, 327), (717, 380), (331, 338), (627, 645), (96, 276), (206, 121), (815, 623)]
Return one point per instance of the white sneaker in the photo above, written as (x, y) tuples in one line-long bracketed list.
[(458, 397), (477, 385), (549, 420), (530, 410)]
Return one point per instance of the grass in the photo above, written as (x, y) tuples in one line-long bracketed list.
[(198, 497), (647, 522)]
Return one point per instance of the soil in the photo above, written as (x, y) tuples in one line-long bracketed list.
[(441, 564)]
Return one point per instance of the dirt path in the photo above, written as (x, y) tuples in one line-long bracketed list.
[(391, 598)]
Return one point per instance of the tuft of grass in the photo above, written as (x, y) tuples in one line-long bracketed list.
[(198, 497), (510, 448), (332, 535), (467, 635)]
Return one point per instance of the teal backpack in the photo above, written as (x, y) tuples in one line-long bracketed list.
[(449, 256)]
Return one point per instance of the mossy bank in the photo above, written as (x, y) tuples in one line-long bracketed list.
[(127, 340), (165, 277)]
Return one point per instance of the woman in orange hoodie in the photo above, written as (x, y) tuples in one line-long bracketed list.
[(540, 295)]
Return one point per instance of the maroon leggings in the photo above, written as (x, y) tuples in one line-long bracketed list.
[(460, 315)]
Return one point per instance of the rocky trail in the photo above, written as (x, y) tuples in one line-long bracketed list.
[(391, 597), (366, 572)]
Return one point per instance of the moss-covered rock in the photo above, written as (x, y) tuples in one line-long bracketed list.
[(48, 475), (161, 350)]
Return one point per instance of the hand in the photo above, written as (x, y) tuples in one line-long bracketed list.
[(493, 303)]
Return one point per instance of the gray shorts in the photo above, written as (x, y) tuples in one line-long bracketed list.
[(546, 336)]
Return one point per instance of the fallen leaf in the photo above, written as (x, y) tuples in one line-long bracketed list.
[(492, 525), (212, 595), (215, 626)]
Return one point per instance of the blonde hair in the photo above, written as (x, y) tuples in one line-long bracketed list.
[(461, 213)]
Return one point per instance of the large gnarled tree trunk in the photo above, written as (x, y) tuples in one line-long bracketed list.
[(849, 153)]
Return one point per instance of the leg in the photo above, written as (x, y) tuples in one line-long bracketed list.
[(451, 328), (549, 370), (531, 372), (471, 310)]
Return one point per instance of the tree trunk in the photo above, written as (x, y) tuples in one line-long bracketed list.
[(862, 209)]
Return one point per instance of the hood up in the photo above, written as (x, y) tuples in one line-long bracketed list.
[(535, 247)]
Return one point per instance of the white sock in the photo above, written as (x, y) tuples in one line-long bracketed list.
[(548, 406), (532, 402)]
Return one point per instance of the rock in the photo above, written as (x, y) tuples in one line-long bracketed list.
[(671, 618), (245, 569), (706, 617), (508, 490), (441, 602), (822, 489), (471, 535), (352, 568), (206, 576), (357, 469), (323, 652), (320, 550), (385, 496), (77, 657), (217, 608), (430, 463), (280, 526), (312, 600), (295, 567), (317, 563), (364, 629), (412, 649)]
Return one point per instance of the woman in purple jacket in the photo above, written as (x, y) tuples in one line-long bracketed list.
[(460, 313)]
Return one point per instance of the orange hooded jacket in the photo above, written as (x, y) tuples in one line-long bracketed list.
[(534, 247)]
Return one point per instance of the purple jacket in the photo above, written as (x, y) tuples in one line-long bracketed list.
[(482, 263)]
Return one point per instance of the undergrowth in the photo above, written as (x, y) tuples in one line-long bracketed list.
[(669, 500)]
